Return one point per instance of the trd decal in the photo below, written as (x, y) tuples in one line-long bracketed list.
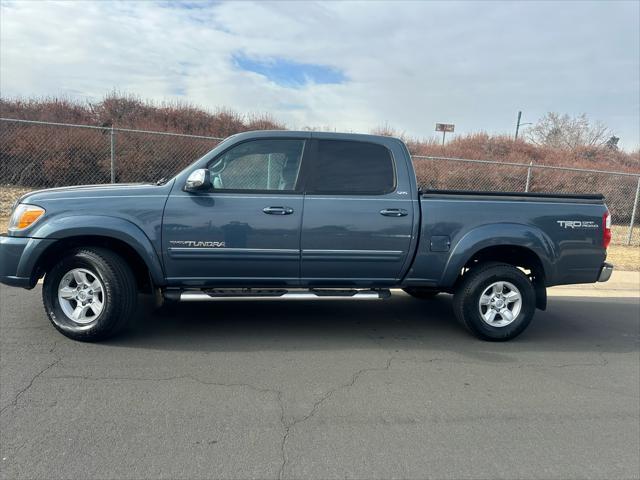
[(577, 224), (196, 244)]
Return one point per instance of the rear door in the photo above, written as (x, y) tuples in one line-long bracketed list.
[(358, 215), (246, 230)]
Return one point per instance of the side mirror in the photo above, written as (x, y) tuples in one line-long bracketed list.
[(198, 181)]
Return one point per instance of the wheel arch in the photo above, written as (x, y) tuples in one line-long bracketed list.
[(522, 246), (515, 255), (117, 235)]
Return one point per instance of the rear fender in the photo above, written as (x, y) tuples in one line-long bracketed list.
[(500, 234)]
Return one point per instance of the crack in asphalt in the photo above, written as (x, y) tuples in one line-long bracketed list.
[(285, 435), (316, 406), (287, 426), (21, 392)]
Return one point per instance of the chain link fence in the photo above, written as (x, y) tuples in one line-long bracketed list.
[(43, 155)]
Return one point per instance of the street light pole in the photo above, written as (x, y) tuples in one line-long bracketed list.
[(518, 124)]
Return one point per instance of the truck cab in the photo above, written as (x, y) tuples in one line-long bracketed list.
[(293, 209)]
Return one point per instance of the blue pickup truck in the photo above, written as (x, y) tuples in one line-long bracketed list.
[(300, 215)]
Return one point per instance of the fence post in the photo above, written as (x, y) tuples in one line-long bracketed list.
[(526, 187), (113, 156), (633, 212)]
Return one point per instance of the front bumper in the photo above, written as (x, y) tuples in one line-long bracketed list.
[(605, 272), (18, 257)]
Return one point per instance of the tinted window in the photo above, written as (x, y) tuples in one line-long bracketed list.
[(345, 167), (258, 165)]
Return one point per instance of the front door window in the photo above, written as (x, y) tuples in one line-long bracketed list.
[(263, 165)]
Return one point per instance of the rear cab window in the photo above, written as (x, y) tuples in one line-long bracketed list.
[(345, 167)]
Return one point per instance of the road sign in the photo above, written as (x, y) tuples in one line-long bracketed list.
[(445, 127)]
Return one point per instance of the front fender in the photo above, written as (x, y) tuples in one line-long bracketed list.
[(500, 234), (60, 228)]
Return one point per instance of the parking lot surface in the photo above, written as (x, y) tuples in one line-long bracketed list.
[(392, 389)]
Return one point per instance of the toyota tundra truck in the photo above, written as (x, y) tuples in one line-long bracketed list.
[(284, 215)]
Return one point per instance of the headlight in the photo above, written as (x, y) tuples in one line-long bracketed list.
[(24, 216)]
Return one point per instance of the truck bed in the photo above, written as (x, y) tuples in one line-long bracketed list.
[(564, 231)]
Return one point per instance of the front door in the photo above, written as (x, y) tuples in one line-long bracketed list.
[(357, 225), (246, 230)]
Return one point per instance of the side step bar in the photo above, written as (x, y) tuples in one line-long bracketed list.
[(248, 294)]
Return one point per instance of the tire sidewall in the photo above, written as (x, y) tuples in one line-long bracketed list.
[(103, 322), (476, 287)]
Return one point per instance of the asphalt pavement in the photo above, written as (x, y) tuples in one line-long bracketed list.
[(366, 390)]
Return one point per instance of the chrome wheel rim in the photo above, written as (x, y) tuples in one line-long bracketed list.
[(81, 295), (500, 304)]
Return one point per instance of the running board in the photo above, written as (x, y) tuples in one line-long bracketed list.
[(249, 294)]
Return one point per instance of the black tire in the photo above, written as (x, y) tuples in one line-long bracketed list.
[(421, 292), (466, 301), (118, 297)]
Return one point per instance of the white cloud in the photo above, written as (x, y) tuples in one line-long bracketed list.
[(408, 64)]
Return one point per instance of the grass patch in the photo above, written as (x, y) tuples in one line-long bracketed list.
[(624, 257)]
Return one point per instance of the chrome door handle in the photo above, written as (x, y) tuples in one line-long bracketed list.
[(394, 212), (278, 210)]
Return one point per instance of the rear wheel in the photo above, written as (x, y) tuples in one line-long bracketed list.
[(495, 301), (421, 292), (90, 294)]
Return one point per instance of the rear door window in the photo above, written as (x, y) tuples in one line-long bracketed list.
[(351, 168)]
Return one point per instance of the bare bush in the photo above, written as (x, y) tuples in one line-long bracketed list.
[(48, 156), (563, 131)]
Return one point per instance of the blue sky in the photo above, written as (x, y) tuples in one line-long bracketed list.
[(287, 73), (350, 66)]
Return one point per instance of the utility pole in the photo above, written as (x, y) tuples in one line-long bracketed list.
[(518, 124)]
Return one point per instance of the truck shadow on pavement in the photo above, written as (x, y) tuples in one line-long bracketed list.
[(400, 323)]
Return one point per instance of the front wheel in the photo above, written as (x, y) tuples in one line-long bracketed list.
[(90, 294), (495, 301)]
